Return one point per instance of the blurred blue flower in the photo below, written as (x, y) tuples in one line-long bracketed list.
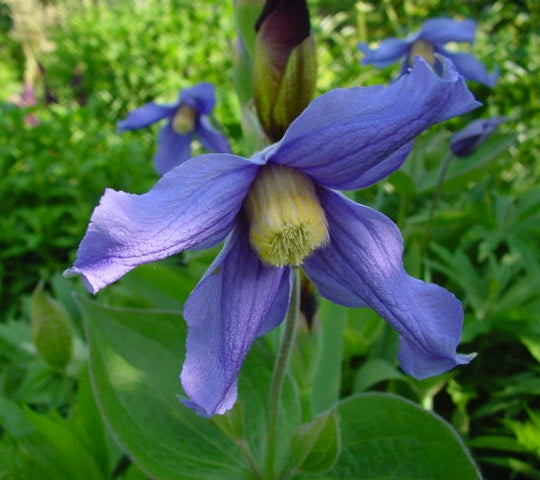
[(186, 118), (429, 41), (466, 141), (280, 209)]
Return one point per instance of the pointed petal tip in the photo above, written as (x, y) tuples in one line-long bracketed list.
[(202, 411), (421, 366), (465, 358), (199, 410), (202, 398), (93, 288)]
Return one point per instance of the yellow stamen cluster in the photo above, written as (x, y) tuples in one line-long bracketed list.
[(286, 220), (423, 49), (184, 119)]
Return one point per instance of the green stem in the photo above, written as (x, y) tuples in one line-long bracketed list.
[(435, 199), (279, 374), (402, 213)]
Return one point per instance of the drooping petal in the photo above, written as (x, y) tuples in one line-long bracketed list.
[(211, 139), (146, 115), (193, 205), (237, 300), (471, 68), (439, 31), (201, 97), (362, 265), (351, 138), (173, 149), (388, 52)]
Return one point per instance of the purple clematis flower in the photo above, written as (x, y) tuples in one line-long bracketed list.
[(430, 40), (187, 117), (466, 141), (280, 209)]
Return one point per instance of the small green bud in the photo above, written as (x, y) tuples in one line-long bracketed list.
[(285, 65), (51, 329)]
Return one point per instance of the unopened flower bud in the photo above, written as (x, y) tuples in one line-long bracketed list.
[(466, 141), (51, 329), (285, 65)]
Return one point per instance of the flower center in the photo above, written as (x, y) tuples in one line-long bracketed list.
[(423, 49), (286, 220), (184, 119)]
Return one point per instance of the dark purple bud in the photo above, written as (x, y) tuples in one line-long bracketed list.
[(466, 141), (285, 64)]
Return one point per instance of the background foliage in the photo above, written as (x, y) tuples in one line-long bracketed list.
[(109, 57)]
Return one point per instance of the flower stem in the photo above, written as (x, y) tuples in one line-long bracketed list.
[(435, 199), (279, 373)]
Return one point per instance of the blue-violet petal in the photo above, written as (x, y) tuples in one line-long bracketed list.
[(237, 300), (173, 149), (439, 31), (193, 205), (146, 115), (352, 138), (362, 265), (210, 138)]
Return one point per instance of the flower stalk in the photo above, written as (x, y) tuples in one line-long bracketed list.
[(280, 370), (435, 198)]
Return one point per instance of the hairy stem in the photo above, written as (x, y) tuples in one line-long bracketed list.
[(435, 199), (279, 374)]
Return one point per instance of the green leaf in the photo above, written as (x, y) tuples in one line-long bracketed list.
[(12, 419), (528, 433), (495, 442), (246, 13), (159, 285), (242, 78), (315, 446), (135, 360), (386, 436), (88, 425), (373, 371), (327, 381), (402, 183), (58, 449)]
